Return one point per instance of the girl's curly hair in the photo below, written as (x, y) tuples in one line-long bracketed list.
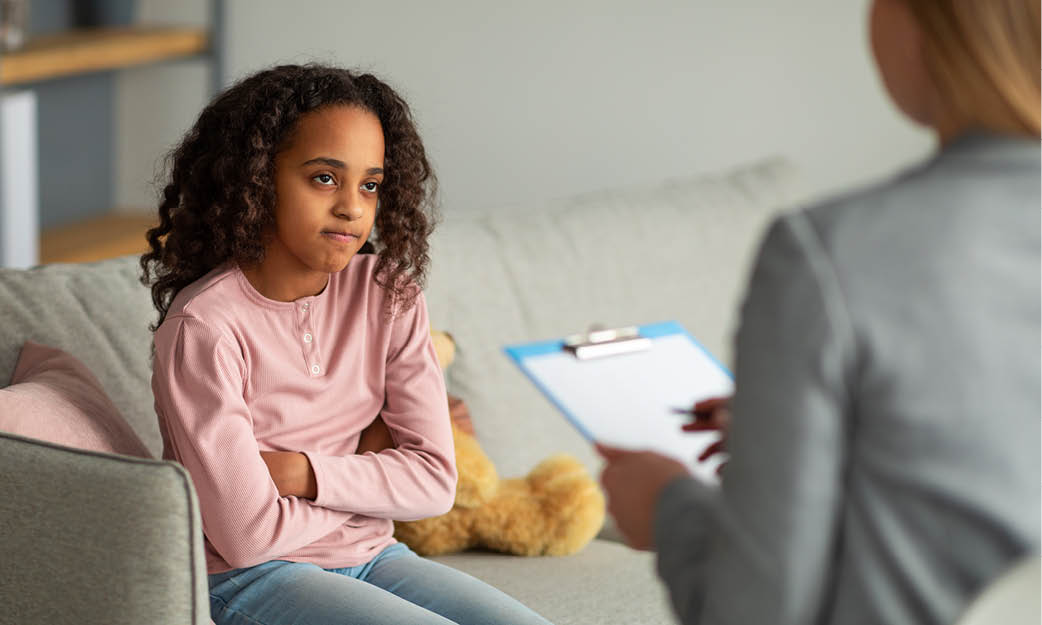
[(218, 202)]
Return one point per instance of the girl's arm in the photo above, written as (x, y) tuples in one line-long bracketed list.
[(198, 383), (291, 470), (762, 549), (417, 477)]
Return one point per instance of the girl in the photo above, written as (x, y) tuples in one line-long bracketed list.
[(294, 374), (885, 432)]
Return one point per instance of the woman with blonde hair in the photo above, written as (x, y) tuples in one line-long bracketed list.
[(884, 444)]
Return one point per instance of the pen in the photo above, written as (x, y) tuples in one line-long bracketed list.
[(691, 412), (703, 409)]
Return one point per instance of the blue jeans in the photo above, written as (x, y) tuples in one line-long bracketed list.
[(396, 587)]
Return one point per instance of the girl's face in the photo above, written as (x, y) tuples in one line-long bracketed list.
[(327, 183)]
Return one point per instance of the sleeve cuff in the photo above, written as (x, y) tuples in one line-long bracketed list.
[(318, 466)]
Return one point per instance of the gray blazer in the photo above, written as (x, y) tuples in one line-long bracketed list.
[(885, 440)]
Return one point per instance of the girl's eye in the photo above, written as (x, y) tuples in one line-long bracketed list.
[(324, 179), (371, 187)]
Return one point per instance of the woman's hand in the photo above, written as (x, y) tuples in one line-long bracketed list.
[(633, 481), (375, 438), (712, 414), (292, 473)]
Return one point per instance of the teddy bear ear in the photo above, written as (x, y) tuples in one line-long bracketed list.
[(444, 347)]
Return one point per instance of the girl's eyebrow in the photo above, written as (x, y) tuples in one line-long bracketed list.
[(332, 162), (325, 160)]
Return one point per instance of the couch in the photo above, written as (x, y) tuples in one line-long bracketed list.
[(90, 537)]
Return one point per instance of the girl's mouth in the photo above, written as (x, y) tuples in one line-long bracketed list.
[(339, 237)]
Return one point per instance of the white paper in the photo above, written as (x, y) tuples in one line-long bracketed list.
[(628, 400)]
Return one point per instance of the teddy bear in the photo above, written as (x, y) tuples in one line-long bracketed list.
[(554, 510)]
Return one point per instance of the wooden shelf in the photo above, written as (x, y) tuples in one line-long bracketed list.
[(99, 238), (82, 51)]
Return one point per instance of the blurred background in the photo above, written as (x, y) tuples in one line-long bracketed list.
[(517, 102)]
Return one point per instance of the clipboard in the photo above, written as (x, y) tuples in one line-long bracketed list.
[(622, 387)]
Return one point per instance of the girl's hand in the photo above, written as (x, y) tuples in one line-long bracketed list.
[(712, 414), (633, 481), (375, 438), (292, 473)]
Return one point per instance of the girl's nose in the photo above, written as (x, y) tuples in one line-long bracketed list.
[(350, 208)]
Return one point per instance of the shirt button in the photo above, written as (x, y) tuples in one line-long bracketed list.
[(315, 369), (304, 305), (307, 337)]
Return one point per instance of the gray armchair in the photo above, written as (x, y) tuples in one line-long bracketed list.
[(97, 538)]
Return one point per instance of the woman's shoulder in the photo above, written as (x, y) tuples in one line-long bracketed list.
[(920, 231), (869, 202), (840, 225), (976, 181)]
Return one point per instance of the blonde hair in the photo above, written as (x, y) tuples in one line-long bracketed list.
[(984, 58)]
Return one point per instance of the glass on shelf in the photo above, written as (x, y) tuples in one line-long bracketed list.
[(14, 16)]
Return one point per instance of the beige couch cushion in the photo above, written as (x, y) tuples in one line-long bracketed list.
[(678, 250)]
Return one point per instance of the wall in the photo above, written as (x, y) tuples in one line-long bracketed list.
[(520, 102), (75, 130), (155, 105)]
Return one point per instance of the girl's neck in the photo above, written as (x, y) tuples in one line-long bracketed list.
[(282, 285)]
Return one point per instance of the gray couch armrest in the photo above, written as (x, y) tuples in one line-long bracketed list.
[(88, 537)]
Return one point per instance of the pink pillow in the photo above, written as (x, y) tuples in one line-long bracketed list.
[(55, 398)]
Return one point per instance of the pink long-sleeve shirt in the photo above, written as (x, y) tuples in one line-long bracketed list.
[(236, 373)]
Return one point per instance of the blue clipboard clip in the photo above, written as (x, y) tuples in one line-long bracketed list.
[(600, 342)]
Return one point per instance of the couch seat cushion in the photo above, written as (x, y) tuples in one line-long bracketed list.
[(604, 583)]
